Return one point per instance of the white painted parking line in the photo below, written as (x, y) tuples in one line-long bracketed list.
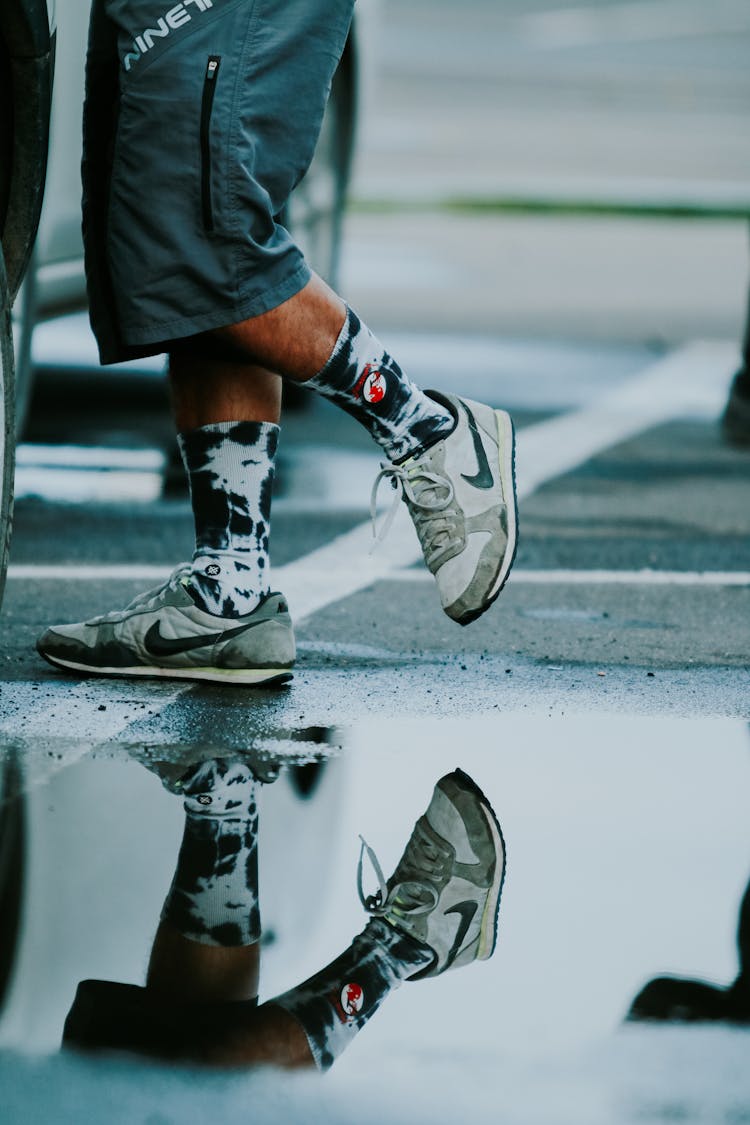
[(82, 473), (567, 577), (635, 21), (73, 572), (691, 381), (85, 715), (38, 455), (89, 486)]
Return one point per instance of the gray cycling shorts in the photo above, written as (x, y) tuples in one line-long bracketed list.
[(200, 118)]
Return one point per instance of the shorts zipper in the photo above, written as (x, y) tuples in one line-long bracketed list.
[(207, 103)]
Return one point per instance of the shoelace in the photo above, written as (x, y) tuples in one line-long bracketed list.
[(411, 896), (436, 520)]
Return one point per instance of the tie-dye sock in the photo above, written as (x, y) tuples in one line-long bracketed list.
[(337, 1002), (230, 466), (363, 379), (214, 894)]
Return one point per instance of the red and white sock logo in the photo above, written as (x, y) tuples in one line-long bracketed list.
[(352, 998), (371, 384), (374, 388)]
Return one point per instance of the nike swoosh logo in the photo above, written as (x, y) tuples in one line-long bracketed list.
[(157, 645), (467, 910), (483, 476)]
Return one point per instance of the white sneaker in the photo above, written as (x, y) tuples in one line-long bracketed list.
[(461, 496)]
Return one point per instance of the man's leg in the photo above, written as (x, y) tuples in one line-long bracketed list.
[(453, 459), (182, 236), (213, 384), (315, 339), (217, 618), (202, 980)]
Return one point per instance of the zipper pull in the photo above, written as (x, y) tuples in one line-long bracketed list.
[(213, 68)]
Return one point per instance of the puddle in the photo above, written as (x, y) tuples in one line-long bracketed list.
[(628, 859)]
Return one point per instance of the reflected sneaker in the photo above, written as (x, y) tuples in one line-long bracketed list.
[(445, 891), (163, 633), (460, 493)]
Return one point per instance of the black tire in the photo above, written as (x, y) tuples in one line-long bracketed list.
[(7, 426), (27, 54), (12, 850), (23, 319)]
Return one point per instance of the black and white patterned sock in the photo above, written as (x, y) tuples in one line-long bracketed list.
[(214, 894), (337, 1002), (363, 379), (230, 466)]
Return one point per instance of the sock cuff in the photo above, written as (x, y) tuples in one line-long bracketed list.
[(220, 788), (341, 353), (245, 432)]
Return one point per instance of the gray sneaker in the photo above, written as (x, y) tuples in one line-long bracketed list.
[(163, 633), (461, 496), (445, 891)]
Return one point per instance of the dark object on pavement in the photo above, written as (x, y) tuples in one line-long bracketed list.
[(673, 1000), (735, 421)]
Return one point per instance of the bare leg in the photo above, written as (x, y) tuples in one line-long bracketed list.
[(271, 1037), (236, 383), (191, 972), (311, 338), (296, 338), (210, 390)]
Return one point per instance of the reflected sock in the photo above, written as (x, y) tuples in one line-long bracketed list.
[(337, 1002), (230, 467), (214, 894), (363, 379)]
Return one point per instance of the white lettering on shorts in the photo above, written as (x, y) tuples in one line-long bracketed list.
[(176, 17)]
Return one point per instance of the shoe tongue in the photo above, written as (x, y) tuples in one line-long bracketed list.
[(183, 594)]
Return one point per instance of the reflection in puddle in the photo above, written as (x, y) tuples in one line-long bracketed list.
[(438, 911), (629, 854), (676, 1000)]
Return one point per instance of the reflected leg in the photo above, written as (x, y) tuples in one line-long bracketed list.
[(206, 946), (438, 911)]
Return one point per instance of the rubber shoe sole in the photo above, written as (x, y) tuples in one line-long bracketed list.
[(244, 676), (507, 468), (163, 634)]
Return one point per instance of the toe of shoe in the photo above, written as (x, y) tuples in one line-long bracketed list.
[(477, 595), (60, 641), (49, 640)]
